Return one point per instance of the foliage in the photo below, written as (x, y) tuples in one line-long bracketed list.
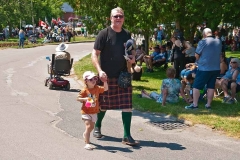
[(12, 11), (144, 15)]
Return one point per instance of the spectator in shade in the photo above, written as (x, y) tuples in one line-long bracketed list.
[(189, 52), (208, 60)]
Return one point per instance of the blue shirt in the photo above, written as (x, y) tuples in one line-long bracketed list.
[(160, 33), (159, 56), (21, 35), (238, 78), (209, 50), (154, 54)]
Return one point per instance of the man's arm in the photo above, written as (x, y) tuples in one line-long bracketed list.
[(94, 57), (197, 56)]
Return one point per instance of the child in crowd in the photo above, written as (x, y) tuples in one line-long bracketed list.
[(90, 105), (187, 76), (188, 88), (136, 71), (140, 54)]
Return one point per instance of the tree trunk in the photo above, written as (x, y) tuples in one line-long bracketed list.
[(177, 23), (146, 37)]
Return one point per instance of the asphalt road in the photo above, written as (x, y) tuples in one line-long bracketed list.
[(38, 123)]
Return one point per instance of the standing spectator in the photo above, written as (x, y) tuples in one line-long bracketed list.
[(82, 31), (140, 54), (160, 35), (109, 45), (21, 39), (208, 60), (178, 55), (69, 34), (16, 32), (6, 33), (85, 31)]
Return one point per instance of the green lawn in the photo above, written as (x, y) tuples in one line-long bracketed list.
[(222, 117)]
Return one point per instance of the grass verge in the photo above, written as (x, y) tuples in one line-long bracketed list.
[(39, 42)]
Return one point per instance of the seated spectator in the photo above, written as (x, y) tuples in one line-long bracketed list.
[(148, 58), (189, 52), (190, 68), (156, 59), (140, 54), (161, 58), (223, 70), (223, 65), (170, 89), (187, 76), (61, 52), (229, 81)]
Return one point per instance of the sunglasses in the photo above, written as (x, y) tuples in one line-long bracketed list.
[(118, 16), (233, 62), (92, 79)]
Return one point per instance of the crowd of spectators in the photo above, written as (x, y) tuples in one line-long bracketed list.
[(204, 71)]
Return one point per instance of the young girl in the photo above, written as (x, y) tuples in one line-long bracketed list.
[(90, 106)]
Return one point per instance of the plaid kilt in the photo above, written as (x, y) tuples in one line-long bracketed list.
[(115, 97)]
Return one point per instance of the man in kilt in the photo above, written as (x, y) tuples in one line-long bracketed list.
[(109, 46)]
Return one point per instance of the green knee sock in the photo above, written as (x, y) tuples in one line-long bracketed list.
[(100, 116), (127, 118)]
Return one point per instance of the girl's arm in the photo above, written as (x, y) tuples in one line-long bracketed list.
[(82, 99), (105, 85), (164, 94)]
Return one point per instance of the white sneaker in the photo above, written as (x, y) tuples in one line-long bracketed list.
[(88, 147)]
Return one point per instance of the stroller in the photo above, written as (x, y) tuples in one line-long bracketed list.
[(33, 38), (58, 67)]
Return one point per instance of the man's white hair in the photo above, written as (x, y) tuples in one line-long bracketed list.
[(207, 32), (118, 9)]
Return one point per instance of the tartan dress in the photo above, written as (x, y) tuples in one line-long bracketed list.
[(115, 97)]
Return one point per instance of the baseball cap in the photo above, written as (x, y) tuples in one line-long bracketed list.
[(88, 75)]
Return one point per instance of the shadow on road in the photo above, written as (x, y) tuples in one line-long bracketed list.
[(113, 149)]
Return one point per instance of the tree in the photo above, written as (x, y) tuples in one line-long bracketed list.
[(12, 11), (144, 15)]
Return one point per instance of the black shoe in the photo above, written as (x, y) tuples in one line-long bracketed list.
[(97, 132), (129, 141)]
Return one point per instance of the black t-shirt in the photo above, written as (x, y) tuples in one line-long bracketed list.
[(111, 45), (177, 51)]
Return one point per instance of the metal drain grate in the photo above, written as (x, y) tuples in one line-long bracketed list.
[(169, 125)]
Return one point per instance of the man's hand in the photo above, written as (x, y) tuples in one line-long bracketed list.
[(131, 59), (102, 76)]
